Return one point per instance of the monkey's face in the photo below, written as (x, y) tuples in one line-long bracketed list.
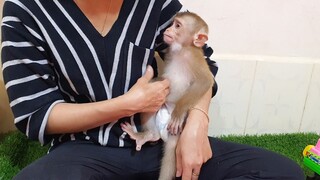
[(179, 32)]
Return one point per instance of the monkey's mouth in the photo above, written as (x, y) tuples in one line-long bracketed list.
[(166, 36)]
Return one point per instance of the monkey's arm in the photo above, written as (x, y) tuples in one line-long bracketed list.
[(193, 94)]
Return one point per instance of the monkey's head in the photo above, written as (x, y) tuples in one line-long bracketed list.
[(187, 29)]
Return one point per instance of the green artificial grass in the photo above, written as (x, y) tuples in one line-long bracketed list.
[(16, 151), (290, 145)]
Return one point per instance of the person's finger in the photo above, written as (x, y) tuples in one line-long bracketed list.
[(167, 91), (148, 75), (163, 85), (187, 173), (195, 174), (166, 83), (178, 166)]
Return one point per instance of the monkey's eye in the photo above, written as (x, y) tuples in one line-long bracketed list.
[(177, 25)]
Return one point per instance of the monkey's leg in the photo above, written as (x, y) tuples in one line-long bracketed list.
[(168, 164), (140, 137)]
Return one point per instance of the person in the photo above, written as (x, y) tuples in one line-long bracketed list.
[(75, 70)]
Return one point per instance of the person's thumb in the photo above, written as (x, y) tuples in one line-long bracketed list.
[(149, 73)]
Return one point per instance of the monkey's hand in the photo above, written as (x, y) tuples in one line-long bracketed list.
[(176, 123)]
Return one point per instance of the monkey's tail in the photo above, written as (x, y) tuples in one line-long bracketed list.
[(168, 164)]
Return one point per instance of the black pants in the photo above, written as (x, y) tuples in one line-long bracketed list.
[(84, 160)]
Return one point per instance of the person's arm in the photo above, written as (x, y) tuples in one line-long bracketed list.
[(208, 51), (35, 96), (142, 97), (193, 148), (28, 74)]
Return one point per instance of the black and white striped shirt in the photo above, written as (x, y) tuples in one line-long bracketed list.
[(51, 53)]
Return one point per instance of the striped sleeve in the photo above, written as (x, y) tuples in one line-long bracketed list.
[(28, 74), (213, 66)]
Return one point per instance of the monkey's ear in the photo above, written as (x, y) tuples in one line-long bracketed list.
[(200, 39)]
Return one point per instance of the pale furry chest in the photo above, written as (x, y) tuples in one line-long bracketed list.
[(180, 78)]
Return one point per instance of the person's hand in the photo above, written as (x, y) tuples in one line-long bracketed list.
[(193, 148), (147, 96)]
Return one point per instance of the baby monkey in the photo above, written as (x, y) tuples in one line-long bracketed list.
[(190, 78)]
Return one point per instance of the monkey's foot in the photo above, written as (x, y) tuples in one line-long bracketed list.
[(140, 137)]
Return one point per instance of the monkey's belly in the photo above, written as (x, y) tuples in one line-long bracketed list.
[(162, 119)]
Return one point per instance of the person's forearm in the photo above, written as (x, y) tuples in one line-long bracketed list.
[(193, 145), (70, 118), (142, 97)]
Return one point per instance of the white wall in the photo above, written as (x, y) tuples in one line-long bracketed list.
[(262, 27), (268, 53)]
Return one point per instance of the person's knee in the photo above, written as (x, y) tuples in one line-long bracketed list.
[(26, 173), (297, 172)]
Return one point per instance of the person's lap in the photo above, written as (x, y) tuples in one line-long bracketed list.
[(238, 161), (85, 160)]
